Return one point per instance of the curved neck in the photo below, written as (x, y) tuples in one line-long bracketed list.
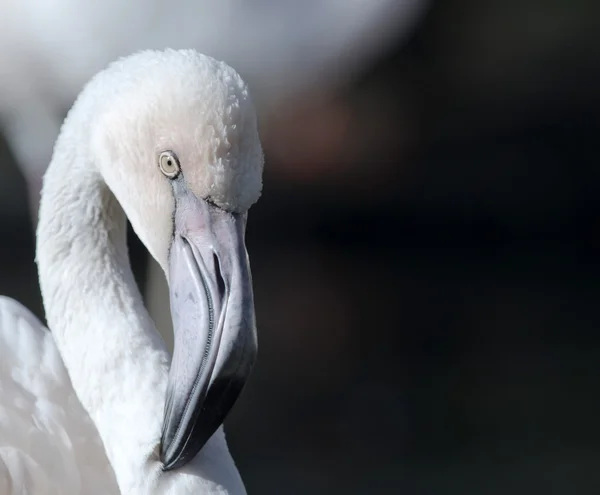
[(117, 362)]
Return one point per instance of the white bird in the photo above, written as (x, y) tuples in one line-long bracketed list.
[(281, 47), (168, 139), (284, 49)]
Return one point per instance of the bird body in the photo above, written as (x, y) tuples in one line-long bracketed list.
[(48, 443)]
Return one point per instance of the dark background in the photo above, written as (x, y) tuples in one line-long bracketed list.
[(425, 266)]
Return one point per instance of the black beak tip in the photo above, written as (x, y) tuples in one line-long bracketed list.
[(220, 399), (167, 460), (167, 464), (180, 447), (170, 464), (179, 458)]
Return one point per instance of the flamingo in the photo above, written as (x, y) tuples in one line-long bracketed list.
[(169, 140), (283, 49)]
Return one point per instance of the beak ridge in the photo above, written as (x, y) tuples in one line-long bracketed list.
[(212, 308)]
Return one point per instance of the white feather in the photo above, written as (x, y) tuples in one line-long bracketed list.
[(48, 444), (282, 48), (81, 408)]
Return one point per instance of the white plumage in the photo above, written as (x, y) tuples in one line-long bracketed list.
[(82, 409), (281, 47), (48, 444)]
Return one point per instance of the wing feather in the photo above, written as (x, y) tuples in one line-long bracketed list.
[(48, 443)]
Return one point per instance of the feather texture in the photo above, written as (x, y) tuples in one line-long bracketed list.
[(81, 408), (48, 444)]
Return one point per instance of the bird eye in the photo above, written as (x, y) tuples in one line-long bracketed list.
[(169, 164)]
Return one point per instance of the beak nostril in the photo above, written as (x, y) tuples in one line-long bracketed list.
[(219, 276)]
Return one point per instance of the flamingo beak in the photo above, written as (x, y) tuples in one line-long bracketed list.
[(212, 307)]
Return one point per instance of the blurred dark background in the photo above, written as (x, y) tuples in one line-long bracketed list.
[(425, 266)]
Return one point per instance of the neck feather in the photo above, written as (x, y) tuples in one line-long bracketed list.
[(117, 362)]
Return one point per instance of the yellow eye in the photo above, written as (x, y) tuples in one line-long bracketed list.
[(169, 164)]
